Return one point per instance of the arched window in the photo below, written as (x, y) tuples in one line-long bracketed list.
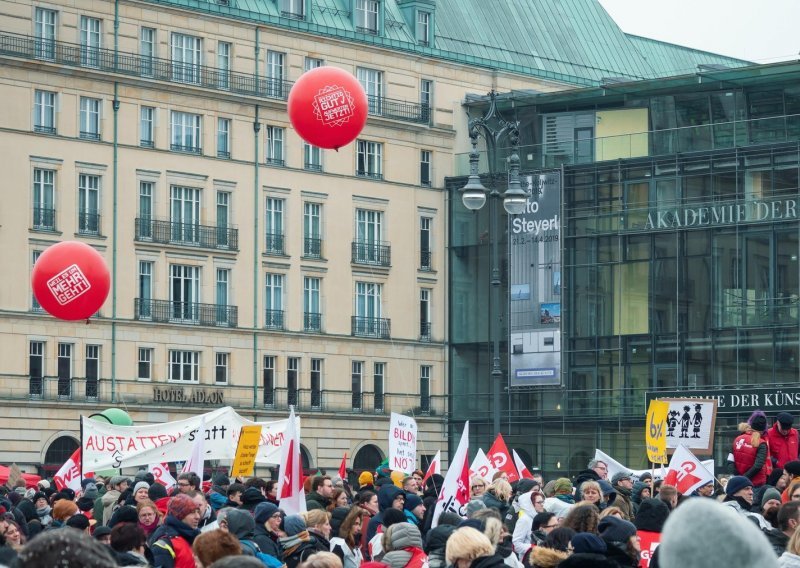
[(305, 457), (59, 452), (367, 458)]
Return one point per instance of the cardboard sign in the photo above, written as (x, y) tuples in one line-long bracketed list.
[(402, 443), (245, 460), (690, 422), (656, 432)]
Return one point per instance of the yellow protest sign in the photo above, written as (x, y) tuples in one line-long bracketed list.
[(245, 461), (656, 431)]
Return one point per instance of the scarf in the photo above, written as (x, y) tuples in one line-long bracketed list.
[(44, 511), (292, 543), (565, 498), (148, 529)]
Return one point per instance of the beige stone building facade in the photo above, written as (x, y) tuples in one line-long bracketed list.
[(248, 268)]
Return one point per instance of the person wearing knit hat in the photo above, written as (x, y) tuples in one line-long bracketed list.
[(751, 455), (473, 506), (650, 519), (141, 492), (589, 550), (90, 491), (268, 518), (156, 492), (562, 500), (172, 542), (366, 482), (413, 508), (63, 509), (701, 532), (621, 539), (783, 440)]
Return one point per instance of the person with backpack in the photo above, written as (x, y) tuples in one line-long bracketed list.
[(242, 525), (172, 545)]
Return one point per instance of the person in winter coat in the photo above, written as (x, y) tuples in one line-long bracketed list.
[(751, 454), (298, 544), (561, 501), (589, 550), (345, 543), (639, 492), (622, 482), (522, 487), (242, 525), (128, 541), (402, 545), (367, 503), (116, 486), (553, 551), (622, 541), (435, 543), (66, 548), (783, 440), (791, 556), (267, 534), (523, 527), (469, 548), (251, 497), (389, 497), (649, 523), (318, 522), (218, 496), (172, 546), (498, 496)]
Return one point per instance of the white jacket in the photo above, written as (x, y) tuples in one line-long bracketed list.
[(522, 530), (352, 557), (789, 560)]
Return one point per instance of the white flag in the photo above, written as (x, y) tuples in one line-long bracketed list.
[(454, 495), (196, 461), (686, 472), (659, 472), (70, 473), (434, 467), (162, 475), (482, 467), (290, 475), (521, 468)]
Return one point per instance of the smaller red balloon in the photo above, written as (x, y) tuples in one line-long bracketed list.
[(70, 280), (328, 107)]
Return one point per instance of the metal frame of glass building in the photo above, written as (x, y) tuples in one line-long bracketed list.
[(680, 242)]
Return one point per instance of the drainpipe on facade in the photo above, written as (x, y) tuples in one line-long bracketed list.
[(256, 130), (114, 177)]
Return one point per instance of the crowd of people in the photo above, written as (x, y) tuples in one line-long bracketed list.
[(387, 519)]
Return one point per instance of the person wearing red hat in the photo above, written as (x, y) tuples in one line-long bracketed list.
[(172, 542)]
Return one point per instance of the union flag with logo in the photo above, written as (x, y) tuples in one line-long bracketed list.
[(686, 472)]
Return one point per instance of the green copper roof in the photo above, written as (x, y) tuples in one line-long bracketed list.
[(571, 41)]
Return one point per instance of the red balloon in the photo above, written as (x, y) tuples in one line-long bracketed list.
[(328, 107), (70, 280)]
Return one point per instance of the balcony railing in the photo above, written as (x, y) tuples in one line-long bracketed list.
[(44, 219), (425, 331), (312, 321), (186, 149), (425, 258), (147, 144), (89, 135), (370, 327), (44, 129), (274, 243), (186, 234), (398, 110), (369, 174), (312, 248), (276, 162), (64, 388), (314, 167), (273, 319), (378, 253), (88, 223), (189, 313), (224, 154)]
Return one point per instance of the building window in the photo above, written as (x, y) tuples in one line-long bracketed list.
[(312, 230), (88, 204), (274, 225), (184, 291), (221, 368), (36, 367), (147, 121), (64, 370), (186, 60), (425, 224), (312, 315), (90, 118), (367, 16), (90, 41), (292, 370), (378, 386), (369, 247), (44, 31), (223, 295), (372, 81), (370, 158), (312, 157), (425, 388), (312, 63), (144, 224), (145, 365), (223, 218), (44, 112), (356, 378), (293, 9), (424, 28), (316, 383), (92, 370), (269, 380), (185, 129), (223, 138), (44, 189), (275, 60), (274, 301), (147, 50), (274, 145), (223, 64), (425, 314), (35, 306), (368, 311), (185, 214), (145, 307), (184, 366), (426, 98), (425, 168)]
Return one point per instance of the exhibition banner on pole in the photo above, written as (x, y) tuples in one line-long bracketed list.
[(402, 443)]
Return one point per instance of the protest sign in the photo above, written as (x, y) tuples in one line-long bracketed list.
[(690, 422), (402, 443), (656, 432), (245, 461)]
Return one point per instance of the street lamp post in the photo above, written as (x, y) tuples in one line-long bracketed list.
[(492, 126)]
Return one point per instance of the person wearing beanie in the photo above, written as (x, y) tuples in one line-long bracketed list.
[(414, 509), (435, 543), (268, 520), (739, 498), (649, 522), (141, 492), (366, 481), (124, 514), (297, 545), (562, 501), (589, 550), (621, 539), (80, 522), (218, 496), (42, 508), (172, 541), (783, 440), (702, 532), (156, 491), (389, 497), (751, 453)]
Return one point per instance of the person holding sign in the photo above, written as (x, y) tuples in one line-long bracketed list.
[(751, 455)]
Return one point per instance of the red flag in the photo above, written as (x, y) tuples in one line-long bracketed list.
[(454, 495), (343, 468), (290, 477), (523, 471), (686, 472), (434, 467), (500, 458), (70, 473)]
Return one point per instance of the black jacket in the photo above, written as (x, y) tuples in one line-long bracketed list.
[(268, 543), (494, 561)]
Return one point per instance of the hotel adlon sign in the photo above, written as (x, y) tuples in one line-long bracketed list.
[(721, 214)]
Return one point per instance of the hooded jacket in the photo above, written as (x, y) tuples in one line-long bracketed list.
[(173, 547), (251, 497), (386, 496), (109, 499), (522, 530), (435, 545), (543, 557), (401, 540)]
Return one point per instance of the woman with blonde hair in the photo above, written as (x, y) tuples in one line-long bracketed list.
[(497, 496), (477, 486), (149, 517), (591, 493), (791, 558), (318, 524), (751, 456), (470, 548)]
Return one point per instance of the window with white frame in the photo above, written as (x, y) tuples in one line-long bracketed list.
[(312, 230), (368, 320), (275, 64), (44, 189), (144, 223), (274, 301), (44, 32), (312, 157), (145, 363), (425, 388), (369, 247), (64, 362), (145, 301), (184, 292), (426, 98), (223, 218), (369, 159), (274, 225), (147, 50), (91, 38), (274, 145), (425, 168), (223, 296), (147, 123), (184, 366), (185, 214), (92, 371), (44, 112), (223, 137), (293, 9), (269, 380), (378, 386), (311, 304), (185, 132), (224, 64), (367, 16), (423, 27), (221, 368), (372, 81), (292, 372), (88, 204), (357, 384), (36, 359), (316, 383), (312, 63), (186, 58), (90, 118)]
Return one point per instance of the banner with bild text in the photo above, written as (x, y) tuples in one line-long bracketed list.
[(106, 446)]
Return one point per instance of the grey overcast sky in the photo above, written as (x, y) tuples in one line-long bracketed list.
[(763, 32)]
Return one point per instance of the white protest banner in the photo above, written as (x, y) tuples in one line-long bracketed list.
[(70, 473), (454, 495), (162, 475), (402, 443), (686, 472), (106, 446), (659, 472), (482, 467)]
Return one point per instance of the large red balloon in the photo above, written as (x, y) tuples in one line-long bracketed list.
[(328, 107), (70, 280)]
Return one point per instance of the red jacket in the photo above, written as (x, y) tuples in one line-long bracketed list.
[(783, 447), (744, 456)]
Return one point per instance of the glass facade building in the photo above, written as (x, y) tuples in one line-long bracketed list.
[(679, 244)]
